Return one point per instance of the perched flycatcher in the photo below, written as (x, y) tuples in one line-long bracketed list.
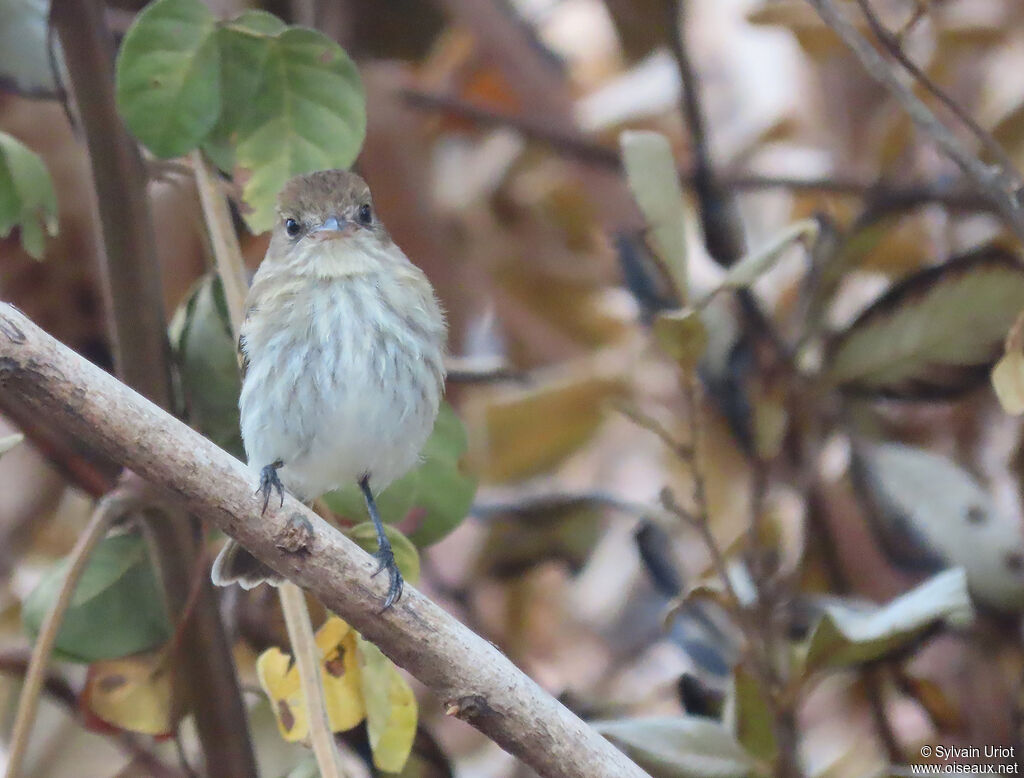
[(342, 353)]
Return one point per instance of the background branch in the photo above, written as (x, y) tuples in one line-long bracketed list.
[(474, 679), (992, 181), (885, 196)]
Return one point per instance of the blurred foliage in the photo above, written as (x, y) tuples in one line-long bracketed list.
[(117, 608), (27, 199)]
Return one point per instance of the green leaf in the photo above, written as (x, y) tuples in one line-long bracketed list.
[(309, 113), (754, 727), (930, 513), (651, 171), (522, 536), (934, 334), (26, 196), (244, 45), (204, 348), (391, 711), (168, 76), (848, 634), (116, 610), (437, 492), (406, 555), (679, 746)]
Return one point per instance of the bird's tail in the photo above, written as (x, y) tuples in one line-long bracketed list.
[(236, 565)]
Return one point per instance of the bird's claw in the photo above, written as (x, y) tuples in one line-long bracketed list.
[(269, 482), (386, 561)]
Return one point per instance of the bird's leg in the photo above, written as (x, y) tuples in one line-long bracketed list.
[(269, 482), (385, 556)]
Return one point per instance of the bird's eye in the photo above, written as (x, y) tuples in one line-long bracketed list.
[(365, 214), (292, 227)]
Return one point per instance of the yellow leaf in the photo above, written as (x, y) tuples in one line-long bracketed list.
[(391, 710), (133, 693), (340, 675), (280, 680), (1008, 381), (1008, 374)]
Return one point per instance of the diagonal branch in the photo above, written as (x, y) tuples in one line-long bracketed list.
[(995, 183), (475, 681), (891, 44)]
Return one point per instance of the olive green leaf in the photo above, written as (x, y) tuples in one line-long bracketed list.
[(204, 349), (935, 334), (849, 634), (308, 114), (436, 494), (391, 710), (679, 746), (753, 718), (26, 196), (116, 610), (406, 556), (652, 176), (168, 76)]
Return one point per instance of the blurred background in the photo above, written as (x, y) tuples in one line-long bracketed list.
[(492, 149)]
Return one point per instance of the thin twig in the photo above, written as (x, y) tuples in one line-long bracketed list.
[(111, 507), (892, 45), (226, 250), (992, 181), (228, 256), (307, 657), (645, 421), (883, 194)]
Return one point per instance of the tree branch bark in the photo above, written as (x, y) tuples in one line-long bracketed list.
[(473, 679)]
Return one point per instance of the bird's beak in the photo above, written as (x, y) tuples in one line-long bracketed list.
[(332, 228)]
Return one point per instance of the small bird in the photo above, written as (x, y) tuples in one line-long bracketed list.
[(342, 354)]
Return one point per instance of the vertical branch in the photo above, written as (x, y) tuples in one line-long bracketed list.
[(719, 214), (725, 242), (228, 257), (226, 250), (141, 355)]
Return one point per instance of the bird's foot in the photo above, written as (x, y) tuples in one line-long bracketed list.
[(386, 561), (269, 482)]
